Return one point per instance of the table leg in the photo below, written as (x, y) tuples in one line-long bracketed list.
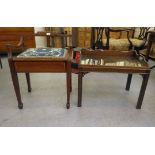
[(142, 90), (68, 81), (80, 75), (28, 81), (71, 82), (128, 82), (15, 84)]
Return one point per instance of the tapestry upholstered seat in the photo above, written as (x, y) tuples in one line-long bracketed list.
[(44, 52)]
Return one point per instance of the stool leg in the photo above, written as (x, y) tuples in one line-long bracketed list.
[(28, 81), (128, 82), (142, 90), (80, 75), (15, 84)]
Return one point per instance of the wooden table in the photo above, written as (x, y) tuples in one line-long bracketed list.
[(128, 62), (41, 64)]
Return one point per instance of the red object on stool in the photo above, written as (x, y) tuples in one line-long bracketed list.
[(75, 62), (77, 57)]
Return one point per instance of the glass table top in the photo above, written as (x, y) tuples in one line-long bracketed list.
[(112, 62), (114, 59)]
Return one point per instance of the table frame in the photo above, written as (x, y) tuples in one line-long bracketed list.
[(144, 72)]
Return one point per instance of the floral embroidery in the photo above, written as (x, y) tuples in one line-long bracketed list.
[(43, 52)]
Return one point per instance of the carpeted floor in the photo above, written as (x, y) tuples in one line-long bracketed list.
[(105, 101)]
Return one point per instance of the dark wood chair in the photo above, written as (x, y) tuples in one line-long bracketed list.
[(120, 40), (150, 52), (97, 35), (111, 38), (139, 41), (143, 40)]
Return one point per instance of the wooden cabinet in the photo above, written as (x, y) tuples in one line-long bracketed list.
[(12, 35), (81, 37), (84, 36)]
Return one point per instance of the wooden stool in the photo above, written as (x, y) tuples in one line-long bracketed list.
[(39, 60)]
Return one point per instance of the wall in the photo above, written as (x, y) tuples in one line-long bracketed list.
[(40, 41)]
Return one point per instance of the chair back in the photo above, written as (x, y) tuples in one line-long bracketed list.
[(98, 33)]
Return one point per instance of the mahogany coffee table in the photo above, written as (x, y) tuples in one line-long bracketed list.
[(128, 62)]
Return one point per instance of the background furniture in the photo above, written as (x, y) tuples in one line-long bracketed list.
[(35, 60), (63, 36), (58, 41), (140, 40), (112, 38), (12, 35), (97, 38), (121, 40), (150, 52), (81, 37), (129, 62)]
